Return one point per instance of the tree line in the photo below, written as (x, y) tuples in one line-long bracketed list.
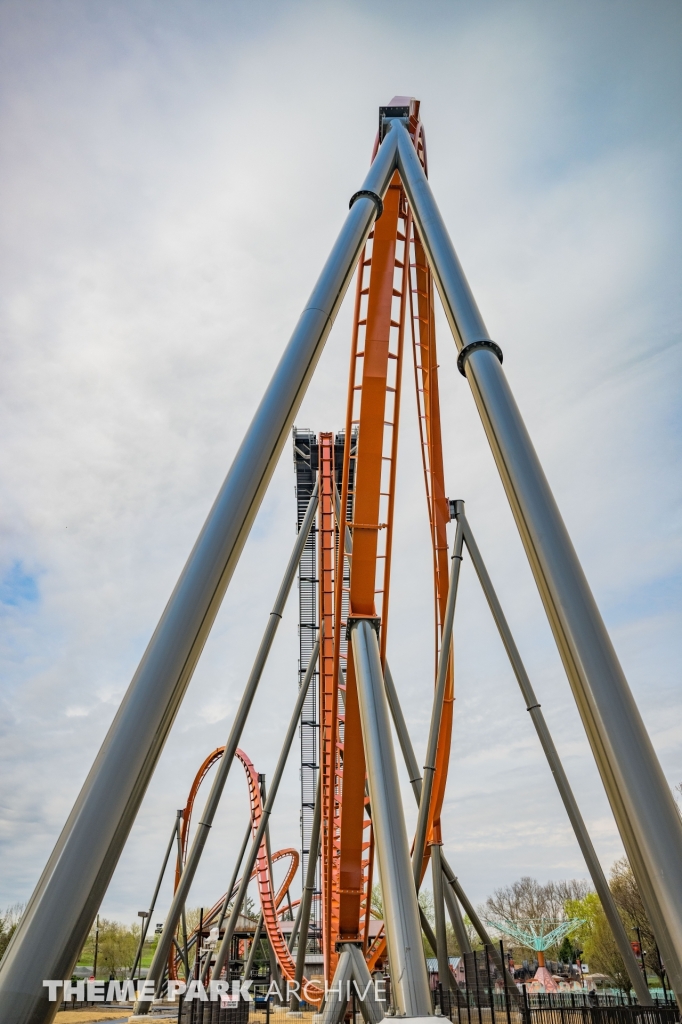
[(592, 941), (524, 900)]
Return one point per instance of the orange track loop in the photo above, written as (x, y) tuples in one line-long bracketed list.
[(269, 899), (213, 913), (268, 902)]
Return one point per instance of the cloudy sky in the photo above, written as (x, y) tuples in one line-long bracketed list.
[(172, 177)]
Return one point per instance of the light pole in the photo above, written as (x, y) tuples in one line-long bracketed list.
[(94, 965)]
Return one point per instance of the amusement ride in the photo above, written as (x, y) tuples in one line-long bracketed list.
[(346, 709)]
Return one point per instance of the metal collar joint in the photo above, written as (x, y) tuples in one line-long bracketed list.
[(375, 623), (366, 193), (471, 347)]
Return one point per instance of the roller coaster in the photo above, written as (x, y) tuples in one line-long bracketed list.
[(396, 244)]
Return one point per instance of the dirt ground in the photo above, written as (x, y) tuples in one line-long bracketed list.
[(89, 1016)]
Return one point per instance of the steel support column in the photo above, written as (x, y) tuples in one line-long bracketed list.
[(444, 660), (224, 948), (162, 872), (372, 1011), (639, 795), (213, 800), (228, 894), (337, 995), (252, 951), (401, 916), (415, 779), (456, 918), (307, 895), (575, 817), (441, 950)]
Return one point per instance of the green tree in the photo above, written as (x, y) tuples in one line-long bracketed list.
[(629, 902), (566, 953), (596, 939), (116, 948), (9, 919), (376, 904)]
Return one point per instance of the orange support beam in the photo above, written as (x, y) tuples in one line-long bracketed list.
[(372, 418), (428, 405), (329, 693)]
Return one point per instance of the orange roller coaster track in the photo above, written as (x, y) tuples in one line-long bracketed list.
[(270, 899), (394, 295), (394, 286)]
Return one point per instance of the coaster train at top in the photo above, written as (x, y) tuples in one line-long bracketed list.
[(394, 235)]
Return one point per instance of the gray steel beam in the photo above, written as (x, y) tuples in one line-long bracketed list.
[(182, 919), (413, 770), (307, 894), (351, 969), (162, 872), (274, 972), (224, 948), (439, 910), (469, 908), (254, 948), (416, 783), (401, 916), (433, 942), (57, 920), (638, 792), (291, 942), (228, 895), (480, 928), (371, 1009), (337, 996), (404, 740), (456, 918), (225, 764), (444, 661), (575, 817)]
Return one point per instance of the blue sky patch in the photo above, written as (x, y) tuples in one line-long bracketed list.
[(18, 587)]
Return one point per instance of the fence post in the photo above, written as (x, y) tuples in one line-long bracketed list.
[(490, 984), (466, 985), (506, 983), (478, 990), (526, 1007)]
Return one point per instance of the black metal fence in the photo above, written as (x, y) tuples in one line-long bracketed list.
[(487, 996), (213, 1012)]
